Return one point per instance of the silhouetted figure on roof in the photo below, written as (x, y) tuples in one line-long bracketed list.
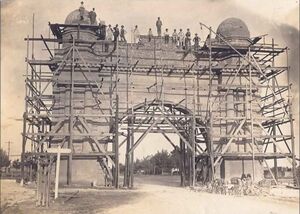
[(167, 36), (180, 38), (150, 35), (81, 11), (93, 15), (101, 31), (116, 33), (136, 34), (158, 26), (174, 37), (109, 33), (196, 42), (108, 36), (122, 34), (187, 39)]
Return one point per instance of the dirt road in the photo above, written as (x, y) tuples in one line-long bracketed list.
[(158, 198), (151, 196)]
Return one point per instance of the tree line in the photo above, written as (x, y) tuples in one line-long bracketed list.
[(159, 163)]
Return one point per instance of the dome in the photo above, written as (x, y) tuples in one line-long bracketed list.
[(233, 28), (74, 18)]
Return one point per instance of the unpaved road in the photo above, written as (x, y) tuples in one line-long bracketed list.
[(171, 199), (150, 196)]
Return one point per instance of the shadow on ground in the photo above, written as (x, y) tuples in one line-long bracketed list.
[(84, 202)]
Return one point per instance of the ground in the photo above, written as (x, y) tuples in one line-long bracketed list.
[(152, 194)]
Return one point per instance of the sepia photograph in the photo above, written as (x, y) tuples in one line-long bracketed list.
[(150, 107)]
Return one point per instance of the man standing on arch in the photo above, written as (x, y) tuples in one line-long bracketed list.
[(158, 26), (93, 15), (81, 11)]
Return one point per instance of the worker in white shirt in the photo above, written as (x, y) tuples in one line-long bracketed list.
[(109, 33), (174, 37), (180, 38), (136, 35)]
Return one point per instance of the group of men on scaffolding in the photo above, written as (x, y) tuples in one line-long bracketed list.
[(180, 39)]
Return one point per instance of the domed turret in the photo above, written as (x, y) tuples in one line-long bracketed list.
[(86, 31), (75, 18), (234, 30)]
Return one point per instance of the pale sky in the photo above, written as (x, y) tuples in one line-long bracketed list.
[(267, 16)]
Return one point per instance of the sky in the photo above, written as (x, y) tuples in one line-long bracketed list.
[(278, 18)]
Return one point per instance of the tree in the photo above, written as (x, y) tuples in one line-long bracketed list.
[(161, 162), (175, 157), (4, 160), (143, 164)]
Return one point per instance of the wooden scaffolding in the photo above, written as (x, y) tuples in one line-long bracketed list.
[(194, 117)]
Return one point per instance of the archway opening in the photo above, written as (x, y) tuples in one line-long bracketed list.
[(153, 124)]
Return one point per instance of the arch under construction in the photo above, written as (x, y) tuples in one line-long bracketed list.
[(223, 100)]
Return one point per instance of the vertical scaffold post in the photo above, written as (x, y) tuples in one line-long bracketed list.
[(296, 179), (193, 151), (71, 118), (116, 147), (24, 139), (251, 115), (274, 115), (182, 163), (117, 143), (193, 143), (127, 160), (211, 144), (126, 177), (132, 153)]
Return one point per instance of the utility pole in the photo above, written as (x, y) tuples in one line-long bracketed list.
[(8, 148)]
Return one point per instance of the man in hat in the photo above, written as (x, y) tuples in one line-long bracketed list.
[(196, 42), (93, 15), (188, 39), (158, 26), (180, 38), (116, 33), (122, 34), (81, 11)]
